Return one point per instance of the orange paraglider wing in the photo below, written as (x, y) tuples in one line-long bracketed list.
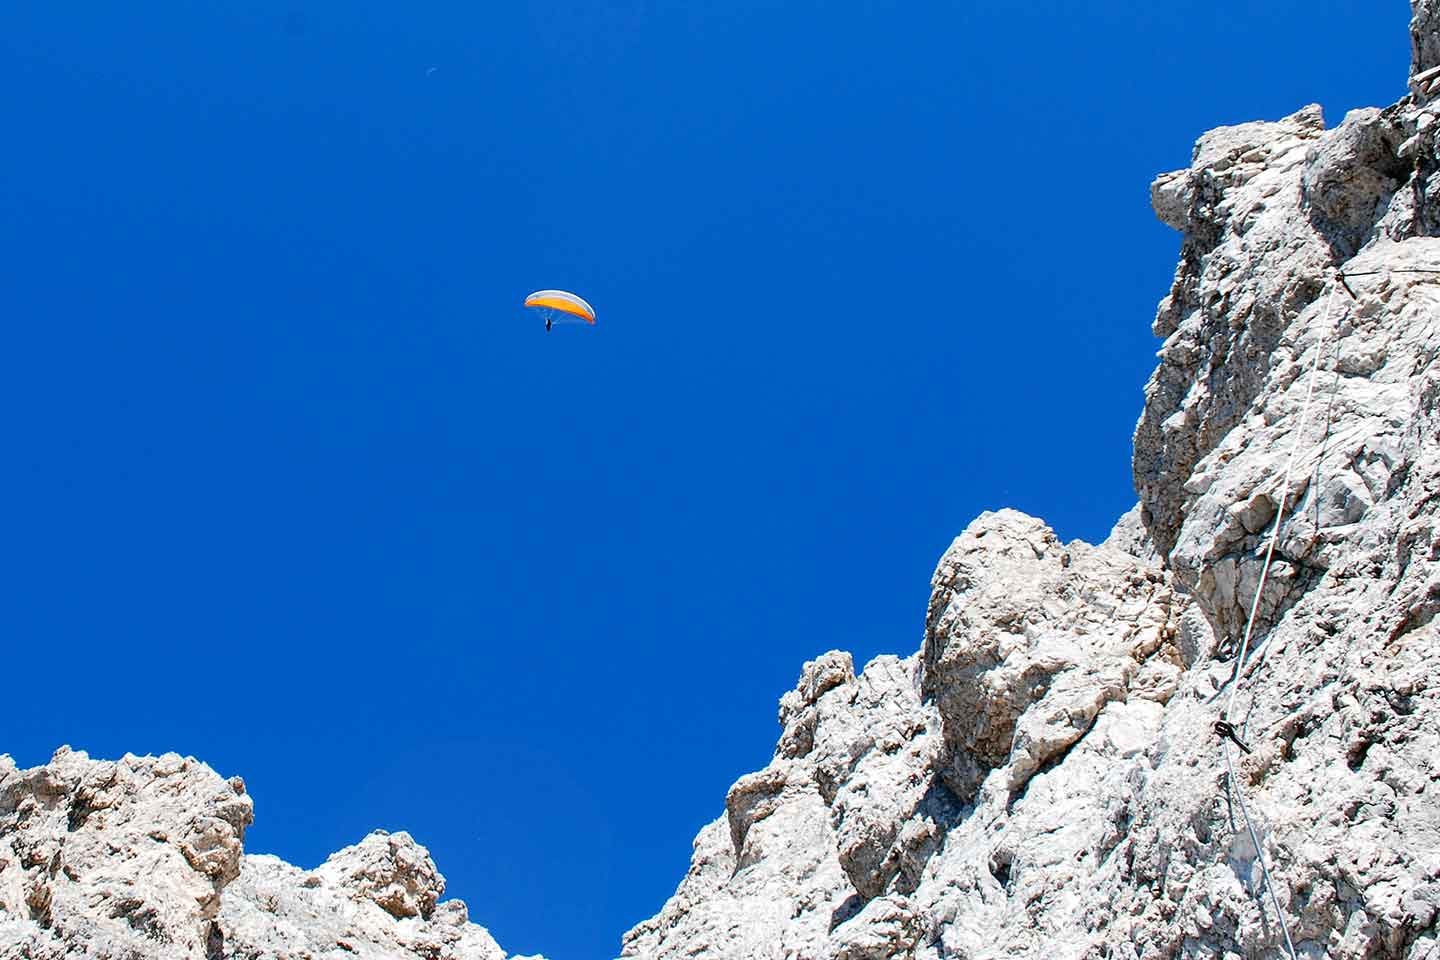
[(561, 302)]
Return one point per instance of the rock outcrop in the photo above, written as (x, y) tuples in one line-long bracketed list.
[(143, 858), (1043, 779), (379, 899), (116, 859), (958, 800)]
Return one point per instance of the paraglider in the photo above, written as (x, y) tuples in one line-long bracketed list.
[(558, 306)]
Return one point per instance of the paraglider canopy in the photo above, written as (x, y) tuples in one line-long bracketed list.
[(558, 306)]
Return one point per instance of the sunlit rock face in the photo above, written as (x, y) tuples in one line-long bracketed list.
[(142, 857), (116, 859), (1041, 779), (379, 898), (1424, 35)]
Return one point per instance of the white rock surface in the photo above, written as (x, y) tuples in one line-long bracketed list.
[(116, 859), (1043, 779), (377, 900), (901, 803), (142, 858), (1424, 35)]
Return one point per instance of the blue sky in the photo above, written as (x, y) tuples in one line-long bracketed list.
[(293, 485)]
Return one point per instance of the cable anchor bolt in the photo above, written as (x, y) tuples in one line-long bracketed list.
[(1225, 730)]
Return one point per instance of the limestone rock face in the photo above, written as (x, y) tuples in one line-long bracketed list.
[(377, 899), (1213, 367), (1027, 640), (903, 804), (124, 858), (1424, 35), (142, 858), (844, 806), (1043, 779)]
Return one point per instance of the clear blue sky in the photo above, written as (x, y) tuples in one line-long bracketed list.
[(293, 485)]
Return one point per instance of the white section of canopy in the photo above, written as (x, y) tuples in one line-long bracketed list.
[(564, 295)]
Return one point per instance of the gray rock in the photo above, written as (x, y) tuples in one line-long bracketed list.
[(1130, 536), (1027, 640), (377, 899), (1424, 35), (115, 859), (1044, 780), (1349, 179), (142, 858)]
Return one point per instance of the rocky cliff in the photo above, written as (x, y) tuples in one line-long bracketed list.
[(143, 858), (1044, 777)]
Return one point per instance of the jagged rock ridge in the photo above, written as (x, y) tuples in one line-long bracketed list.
[(143, 858), (1042, 779)]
